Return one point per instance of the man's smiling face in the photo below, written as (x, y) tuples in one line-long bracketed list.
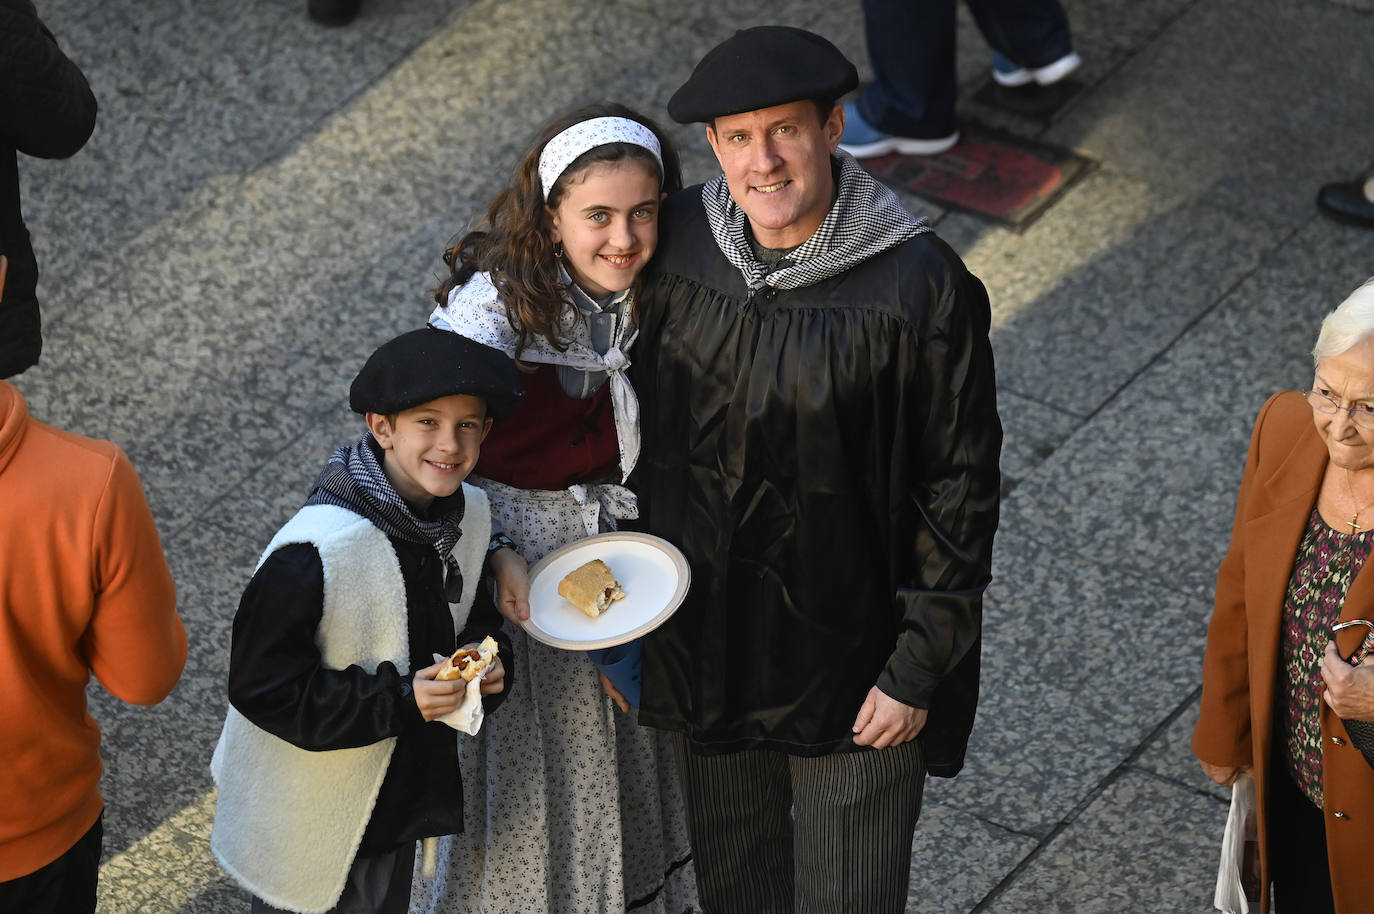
[(777, 165)]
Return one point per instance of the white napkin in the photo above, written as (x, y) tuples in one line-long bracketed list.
[(467, 717)]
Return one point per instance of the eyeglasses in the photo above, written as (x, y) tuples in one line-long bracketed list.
[(1362, 416)]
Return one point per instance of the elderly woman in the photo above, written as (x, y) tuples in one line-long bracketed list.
[(1275, 687)]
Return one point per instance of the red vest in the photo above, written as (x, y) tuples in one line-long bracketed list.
[(552, 440)]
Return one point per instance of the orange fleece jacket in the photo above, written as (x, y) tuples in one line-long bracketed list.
[(84, 587)]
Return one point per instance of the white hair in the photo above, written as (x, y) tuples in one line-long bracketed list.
[(1349, 325)]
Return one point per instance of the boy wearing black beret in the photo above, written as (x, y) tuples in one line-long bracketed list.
[(333, 761), (820, 437)]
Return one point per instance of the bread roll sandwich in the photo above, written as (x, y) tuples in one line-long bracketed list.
[(592, 588), (467, 664)]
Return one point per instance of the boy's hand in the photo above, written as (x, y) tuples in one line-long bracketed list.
[(434, 697), (495, 680), (512, 584)]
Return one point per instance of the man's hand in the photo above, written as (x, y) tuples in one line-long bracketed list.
[(1349, 689), (512, 584), (884, 721)]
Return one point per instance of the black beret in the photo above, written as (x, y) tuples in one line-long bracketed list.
[(759, 68), (427, 364)]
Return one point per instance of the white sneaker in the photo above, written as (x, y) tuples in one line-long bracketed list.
[(1046, 76)]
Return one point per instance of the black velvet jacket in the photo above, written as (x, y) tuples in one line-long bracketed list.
[(277, 680), (46, 110), (827, 459)]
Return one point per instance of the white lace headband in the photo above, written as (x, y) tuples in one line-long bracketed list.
[(563, 149)]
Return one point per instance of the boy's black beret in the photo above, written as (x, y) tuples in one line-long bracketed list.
[(761, 67), (430, 363)]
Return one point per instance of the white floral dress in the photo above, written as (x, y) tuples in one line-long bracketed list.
[(569, 805)]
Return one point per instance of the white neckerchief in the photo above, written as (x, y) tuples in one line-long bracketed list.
[(475, 310)]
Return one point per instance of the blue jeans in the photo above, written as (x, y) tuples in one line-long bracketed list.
[(911, 47)]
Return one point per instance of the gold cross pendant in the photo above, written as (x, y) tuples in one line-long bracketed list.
[(1354, 523)]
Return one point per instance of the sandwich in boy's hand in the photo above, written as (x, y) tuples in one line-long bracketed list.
[(592, 588), (468, 663)]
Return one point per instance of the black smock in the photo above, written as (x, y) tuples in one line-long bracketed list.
[(827, 459), (277, 681), (46, 110)]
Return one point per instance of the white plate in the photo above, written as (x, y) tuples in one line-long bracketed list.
[(652, 571)]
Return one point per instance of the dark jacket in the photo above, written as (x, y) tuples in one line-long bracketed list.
[(827, 459), (46, 110), (276, 680)]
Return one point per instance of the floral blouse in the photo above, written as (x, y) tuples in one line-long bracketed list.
[(1326, 563)]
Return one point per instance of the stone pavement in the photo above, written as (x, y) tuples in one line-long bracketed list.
[(265, 200)]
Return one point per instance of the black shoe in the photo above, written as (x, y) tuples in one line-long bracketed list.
[(1345, 202), (333, 12)]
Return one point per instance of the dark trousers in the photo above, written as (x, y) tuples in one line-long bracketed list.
[(911, 47), (376, 885), (773, 833), (65, 886), (1297, 849)]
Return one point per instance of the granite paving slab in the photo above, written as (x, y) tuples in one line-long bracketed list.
[(1031, 432), (1081, 661), (1116, 263), (216, 897), (255, 509), (956, 859), (157, 760), (716, 20), (1170, 755), (137, 880), (1143, 844), (380, 300), (185, 435), (1221, 106), (1151, 480), (188, 92)]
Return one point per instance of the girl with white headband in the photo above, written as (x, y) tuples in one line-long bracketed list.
[(581, 809)]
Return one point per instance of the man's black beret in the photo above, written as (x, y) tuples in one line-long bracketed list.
[(430, 363), (759, 68)]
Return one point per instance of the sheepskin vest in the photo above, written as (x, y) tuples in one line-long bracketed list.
[(288, 821)]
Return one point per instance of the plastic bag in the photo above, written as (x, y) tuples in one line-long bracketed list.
[(1238, 882)]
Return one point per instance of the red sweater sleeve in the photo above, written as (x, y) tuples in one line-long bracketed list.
[(136, 644)]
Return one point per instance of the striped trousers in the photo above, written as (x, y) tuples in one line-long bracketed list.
[(776, 834)]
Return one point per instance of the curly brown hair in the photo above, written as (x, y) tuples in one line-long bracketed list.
[(512, 243)]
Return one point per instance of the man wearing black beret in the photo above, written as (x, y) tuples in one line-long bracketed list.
[(821, 439)]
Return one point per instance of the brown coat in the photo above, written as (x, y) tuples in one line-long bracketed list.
[(1240, 671)]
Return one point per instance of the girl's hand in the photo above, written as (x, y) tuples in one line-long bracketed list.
[(512, 584), (621, 702), (435, 697)]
